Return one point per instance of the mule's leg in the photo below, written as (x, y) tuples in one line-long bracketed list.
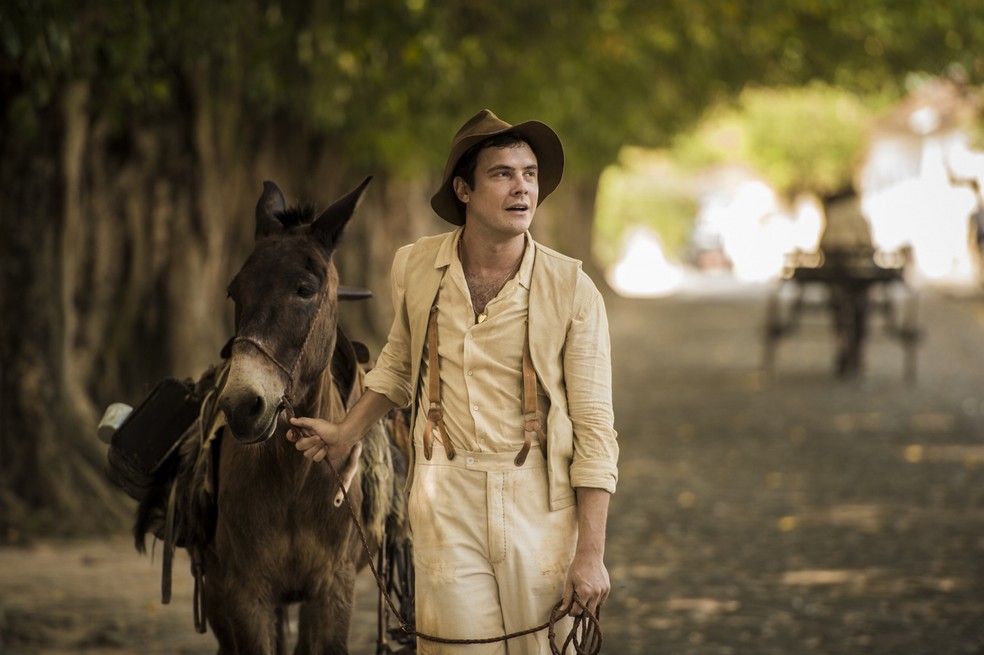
[(242, 624), (283, 618), (323, 622)]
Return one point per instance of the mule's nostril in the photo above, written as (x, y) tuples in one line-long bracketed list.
[(257, 407), (249, 408)]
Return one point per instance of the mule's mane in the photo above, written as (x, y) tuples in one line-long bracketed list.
[(297, 215)]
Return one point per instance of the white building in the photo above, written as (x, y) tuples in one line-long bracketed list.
[(914, 182)]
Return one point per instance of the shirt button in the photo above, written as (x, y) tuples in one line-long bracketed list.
[(470, 460), (470, 372), (475, 407)]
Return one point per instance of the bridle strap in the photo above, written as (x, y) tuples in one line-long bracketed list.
[(288, 372), (287, 399)]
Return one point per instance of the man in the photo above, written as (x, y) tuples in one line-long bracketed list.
[(501, 347)]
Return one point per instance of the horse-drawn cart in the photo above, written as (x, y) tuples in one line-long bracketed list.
[(852, 286)]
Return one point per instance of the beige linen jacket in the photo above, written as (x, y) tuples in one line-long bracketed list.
[(569, 346)]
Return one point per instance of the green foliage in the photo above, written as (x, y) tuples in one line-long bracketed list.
[(385, 81), (799, 139), (805, 139), (643, 189)]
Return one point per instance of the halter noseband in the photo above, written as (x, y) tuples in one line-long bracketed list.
[(287, 399)]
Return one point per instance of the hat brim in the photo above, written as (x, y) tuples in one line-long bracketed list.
[(549, 156)]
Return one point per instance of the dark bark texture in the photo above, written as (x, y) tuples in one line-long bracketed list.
[(119, 238)]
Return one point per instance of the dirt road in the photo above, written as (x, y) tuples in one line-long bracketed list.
[(788, 516)]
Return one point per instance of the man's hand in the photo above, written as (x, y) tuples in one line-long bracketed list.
[(587, 576), (318, 439)]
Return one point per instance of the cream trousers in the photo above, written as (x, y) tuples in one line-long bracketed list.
[(490, 557)]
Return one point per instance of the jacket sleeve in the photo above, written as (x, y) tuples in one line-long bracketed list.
[(391, 374), (588, 378)]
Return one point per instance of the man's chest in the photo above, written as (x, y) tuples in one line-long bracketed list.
[(484, 288)]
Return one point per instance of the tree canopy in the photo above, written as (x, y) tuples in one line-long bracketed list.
[(384, 79)]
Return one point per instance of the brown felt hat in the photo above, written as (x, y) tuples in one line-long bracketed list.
[(544, 141)]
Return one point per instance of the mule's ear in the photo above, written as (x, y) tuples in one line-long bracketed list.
[(268, 206), (328, 227)]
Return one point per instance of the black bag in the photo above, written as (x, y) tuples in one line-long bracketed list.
[(143, 450)]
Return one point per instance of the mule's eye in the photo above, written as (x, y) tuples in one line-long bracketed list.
[(306, 291)]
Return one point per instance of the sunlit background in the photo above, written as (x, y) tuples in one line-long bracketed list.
[(714, 210)]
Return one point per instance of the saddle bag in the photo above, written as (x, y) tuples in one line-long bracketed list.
[(143, 450)]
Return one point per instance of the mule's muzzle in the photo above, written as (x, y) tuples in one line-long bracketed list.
[(251, 398), (250, 416)]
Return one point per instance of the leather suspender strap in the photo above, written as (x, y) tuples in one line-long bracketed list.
[(532, 422), (435, 415)]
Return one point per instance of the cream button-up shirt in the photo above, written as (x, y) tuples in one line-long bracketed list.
[(481, 364), (570, 349)]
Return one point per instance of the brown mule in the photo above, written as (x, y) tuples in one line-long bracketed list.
[(264, 525)]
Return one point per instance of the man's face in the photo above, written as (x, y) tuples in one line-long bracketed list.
[(506, 189)]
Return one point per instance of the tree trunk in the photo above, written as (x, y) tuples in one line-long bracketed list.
[(119, 242), (118, 245), (394, 213), (565, 223), (51, 478)]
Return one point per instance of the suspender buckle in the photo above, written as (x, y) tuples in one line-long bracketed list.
[(531, 429)]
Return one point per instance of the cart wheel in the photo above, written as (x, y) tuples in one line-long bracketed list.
[(773, 332), (910, 335)]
